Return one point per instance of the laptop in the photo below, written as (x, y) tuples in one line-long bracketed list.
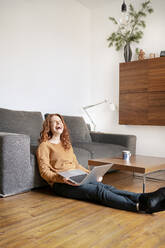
[(80, 177)]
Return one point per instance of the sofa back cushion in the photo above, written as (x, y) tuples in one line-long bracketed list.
[(22, 122), (78, 129)]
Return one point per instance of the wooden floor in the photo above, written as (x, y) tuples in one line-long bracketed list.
[(42, 220)]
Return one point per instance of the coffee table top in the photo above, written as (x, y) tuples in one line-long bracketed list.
[(137, 163)]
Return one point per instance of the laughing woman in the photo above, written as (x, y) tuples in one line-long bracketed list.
[(55, 154)]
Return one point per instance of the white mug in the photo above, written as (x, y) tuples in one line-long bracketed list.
[(126, 155)]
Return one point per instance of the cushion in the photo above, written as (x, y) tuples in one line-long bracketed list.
[(78, 129), (21, 122), (101, 150)]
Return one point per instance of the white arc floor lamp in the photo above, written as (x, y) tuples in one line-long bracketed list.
[(111, 105)]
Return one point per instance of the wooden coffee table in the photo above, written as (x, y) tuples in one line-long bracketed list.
[(141, 164)]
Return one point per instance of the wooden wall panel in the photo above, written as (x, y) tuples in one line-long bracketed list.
[(156, 108), (156, 74), (133, 76), (132, 108), (142, 92)]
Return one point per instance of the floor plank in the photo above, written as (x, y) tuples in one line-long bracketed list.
[(40, 219)]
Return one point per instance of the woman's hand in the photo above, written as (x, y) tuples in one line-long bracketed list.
[(99, 179), (66, 181)]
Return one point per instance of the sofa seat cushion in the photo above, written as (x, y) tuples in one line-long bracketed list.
[(100, 150)]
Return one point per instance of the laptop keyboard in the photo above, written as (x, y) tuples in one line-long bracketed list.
[(78, 178)]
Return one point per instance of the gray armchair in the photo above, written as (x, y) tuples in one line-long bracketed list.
[(19, 133)]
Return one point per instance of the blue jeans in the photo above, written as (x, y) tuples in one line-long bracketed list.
[(99, 193)]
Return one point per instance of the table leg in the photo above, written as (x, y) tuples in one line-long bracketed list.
[(144, 183)]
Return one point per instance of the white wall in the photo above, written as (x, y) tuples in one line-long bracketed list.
[(105, 72), (44, 55), (46, 50)]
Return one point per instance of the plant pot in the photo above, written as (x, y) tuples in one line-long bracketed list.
[(127, 52)]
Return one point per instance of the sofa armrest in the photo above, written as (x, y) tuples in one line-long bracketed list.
[(14, 163), (128, 141)]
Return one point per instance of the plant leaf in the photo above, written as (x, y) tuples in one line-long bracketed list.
[(113, 20)]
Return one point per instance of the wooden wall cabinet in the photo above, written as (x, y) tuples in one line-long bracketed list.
[(142, 92)]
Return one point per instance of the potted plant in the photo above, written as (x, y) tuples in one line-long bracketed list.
[(131, 30)]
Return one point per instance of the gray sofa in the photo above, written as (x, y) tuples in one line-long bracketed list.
[(19, 133)]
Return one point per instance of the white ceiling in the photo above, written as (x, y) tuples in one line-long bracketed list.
[(92, 4)]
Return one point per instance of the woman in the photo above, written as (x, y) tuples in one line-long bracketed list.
[(55, 154)]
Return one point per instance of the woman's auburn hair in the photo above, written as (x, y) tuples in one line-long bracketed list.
[(46, 133)]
